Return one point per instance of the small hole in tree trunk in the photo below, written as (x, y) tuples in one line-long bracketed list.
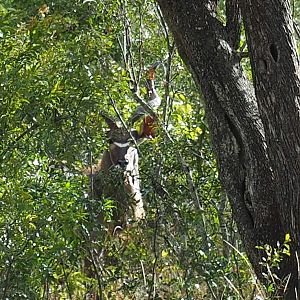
[(274, 52)]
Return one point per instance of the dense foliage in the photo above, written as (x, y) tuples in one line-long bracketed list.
[(61, 63)]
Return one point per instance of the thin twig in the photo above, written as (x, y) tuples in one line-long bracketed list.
[(152, 287), (196, 199), (144, 274), (100, 289), (18, 138), (170, 54), (66, 279), (223, 227), (233, 287), (140, 52)]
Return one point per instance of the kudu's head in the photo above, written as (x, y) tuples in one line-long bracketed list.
[(121, 144)]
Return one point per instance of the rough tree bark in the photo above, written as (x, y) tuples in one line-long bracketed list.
[(255, 127)]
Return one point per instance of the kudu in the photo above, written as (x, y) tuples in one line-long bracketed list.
[(121, 158)]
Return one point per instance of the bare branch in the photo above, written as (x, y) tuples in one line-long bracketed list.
[(168, 69)]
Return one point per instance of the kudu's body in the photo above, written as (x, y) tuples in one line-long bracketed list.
[(116, 177)]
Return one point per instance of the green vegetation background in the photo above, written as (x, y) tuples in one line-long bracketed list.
[(61, 63)]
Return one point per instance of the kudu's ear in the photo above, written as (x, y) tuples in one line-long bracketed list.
[(109, 121)]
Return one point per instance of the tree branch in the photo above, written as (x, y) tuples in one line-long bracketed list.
[(18, 138), (233, 23)]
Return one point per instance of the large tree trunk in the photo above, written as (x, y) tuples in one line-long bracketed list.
[(254, 127)]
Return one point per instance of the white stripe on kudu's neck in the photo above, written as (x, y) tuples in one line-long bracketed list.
[(121, 145)]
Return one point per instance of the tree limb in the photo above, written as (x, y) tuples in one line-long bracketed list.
[(233, 23)]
